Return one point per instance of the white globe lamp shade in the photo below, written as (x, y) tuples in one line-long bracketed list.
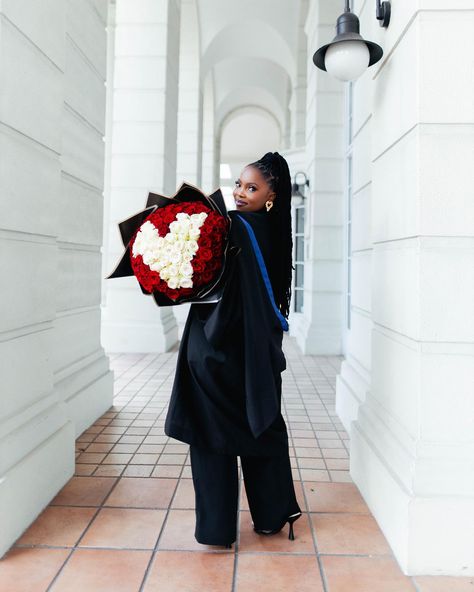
[(347, 60)]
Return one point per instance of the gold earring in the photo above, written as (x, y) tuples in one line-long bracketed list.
[(269, 205)]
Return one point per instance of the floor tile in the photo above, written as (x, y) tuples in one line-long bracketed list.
[(186, 571), (58, 526), (124, 528), (90, 457), (85, 470), (17, 573), (102, 570), (278, 573), (340, 476), (138, 470), (349, 533), (109, 470), (84, 491), (184, 497), (100, 447), (166, 471), (314, 475), (334, 497), (365, 574), (142, 493)]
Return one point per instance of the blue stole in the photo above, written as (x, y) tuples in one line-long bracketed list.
[(263, 270)]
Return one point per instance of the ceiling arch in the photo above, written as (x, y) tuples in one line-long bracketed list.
[(243, 39), (241, 77), (250, 110), (259, 98)]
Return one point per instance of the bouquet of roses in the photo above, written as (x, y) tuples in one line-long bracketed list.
[(177, 247)]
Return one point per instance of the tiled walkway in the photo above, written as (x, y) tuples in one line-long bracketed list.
[(125, 521)]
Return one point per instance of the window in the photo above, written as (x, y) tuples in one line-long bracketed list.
[(350, 102), (299, 258), (349, 239)]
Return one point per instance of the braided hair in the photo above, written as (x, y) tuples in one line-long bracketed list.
[(274, 169)]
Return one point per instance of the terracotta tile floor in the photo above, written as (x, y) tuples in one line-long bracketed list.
[(125, 521)]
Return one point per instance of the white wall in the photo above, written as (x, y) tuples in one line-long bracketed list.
[(405, 389), (190, 115), (55, 377)]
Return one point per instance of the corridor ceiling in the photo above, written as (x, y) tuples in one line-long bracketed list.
[(252, 50)]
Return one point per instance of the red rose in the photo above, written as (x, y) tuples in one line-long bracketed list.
[(207, 276), (205, 253), (197, 265), (205, 241)]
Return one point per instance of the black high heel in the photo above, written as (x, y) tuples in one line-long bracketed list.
[(290, 520)]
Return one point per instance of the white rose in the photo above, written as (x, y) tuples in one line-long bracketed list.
[(172, 270), (147, 257), (173, 282), (188, 250), (186, 282), (157, 265), (186, 269), (179, 244), (176, 257)]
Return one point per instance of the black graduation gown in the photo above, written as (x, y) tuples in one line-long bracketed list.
[(226, 395)]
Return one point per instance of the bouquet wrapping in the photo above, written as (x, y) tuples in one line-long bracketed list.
[(177, 247)]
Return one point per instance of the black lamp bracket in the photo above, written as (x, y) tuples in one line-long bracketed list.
[(383, 10), (383, 13)]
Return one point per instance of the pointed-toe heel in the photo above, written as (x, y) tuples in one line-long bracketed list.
[(290, 520)]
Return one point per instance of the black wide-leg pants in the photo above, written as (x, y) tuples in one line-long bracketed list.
[(268, 485)]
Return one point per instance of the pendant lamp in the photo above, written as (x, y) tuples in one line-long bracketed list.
[(349, 54)]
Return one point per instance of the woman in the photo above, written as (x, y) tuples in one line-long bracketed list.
[(226, 396)]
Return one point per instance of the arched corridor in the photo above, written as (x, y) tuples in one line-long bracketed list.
[(104, 101)]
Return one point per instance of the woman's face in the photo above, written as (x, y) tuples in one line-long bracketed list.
[(251, 191)]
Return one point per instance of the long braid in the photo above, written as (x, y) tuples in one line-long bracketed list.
[(274, 169)]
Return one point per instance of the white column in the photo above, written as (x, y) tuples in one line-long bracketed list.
[(319, 332), (298, 100), (412, 445), (190, 114), (190, 120), (55, 376), (143, 159), (208, 137)]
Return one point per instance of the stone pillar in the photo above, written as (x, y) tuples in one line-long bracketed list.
[(55, 376), (319, 331), (190, 114), (189, 159), (298, 100), (208, 138), (143, 159), (412, 446)]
